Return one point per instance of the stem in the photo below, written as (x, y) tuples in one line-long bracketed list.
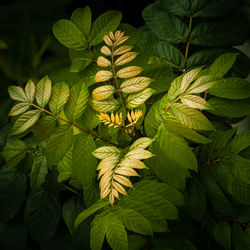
[(188, 42), (70, 189), (74, 125), (91, 51), (116, 81), (169, 105)]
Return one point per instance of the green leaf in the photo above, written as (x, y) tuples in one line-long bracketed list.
[(222, 64), (165, 26), (19, 108), (222, 234), (58, 144), (136, 99), (30, 90), (43, 91), (177, 7), (219, 33), (77, 102), (238, 238), (14, 152), (97, 232), (174, 158), (44, 127), (82, 18), (12, 189), (105, 23), (38, 172), (106, 151), (80, 60), (89, 211), (42, 214), (65, 166), (136, 242), (17, 93), (84, 165), (59, 96), (189, 117), (228, 108), (195, 102), (176, 127), (134, 221), (231, 88), (67, 33), (167, 53), (107, 105), (25, 121), (115, 233), (240, 142)]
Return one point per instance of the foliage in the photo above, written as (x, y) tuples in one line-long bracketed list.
[(145, 114)]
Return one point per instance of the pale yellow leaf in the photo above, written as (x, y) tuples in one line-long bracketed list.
[(103, 62), (132, 163), (127, 171), (107, 40), (122, 50), (115, 193), (121, 40), (123, 180), (103, 75), (106, 178), (141, 143), (130, 71), (109, 161), (103, 92), (104, 192), (136, 99), (111, 198), (105, 50), (135, 84), (194, 101), (138, 154), (111, 35), (125, 58), (119, 188)]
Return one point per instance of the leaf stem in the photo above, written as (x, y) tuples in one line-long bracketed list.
[(74, 125), (116, 81), (70, 189), (188, 42), (169, 105)]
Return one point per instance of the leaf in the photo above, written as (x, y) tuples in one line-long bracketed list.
[(103, 62), (104, 152), (65, 166), (17, 93), (136, 99), (168, 54), (19, 108), (177, 7), (14, 152), (128, 72), (84, 165), (89, 211), (239, 240), (30, 90), (81, 17), (222, 234), (42, 214), (202, 84), (12, 190), (189, 117), (188, 78), (103, 75), (97, 232), (121, 50), (77, 102), (105, 23), (80, 59), (174, 158), (222, 64), (135, 84), (107, 105), (240, 142), (176, 127), (231, 88), (138, 154), (134, 221), (125, 58), (141, 143), (38, 173), (229, 108), (194, 101), (219, 33), (165, 26), (103, 92), (60, 95), (25, 121), (115, 233), (67, 33), (58, 144), (43, 91)]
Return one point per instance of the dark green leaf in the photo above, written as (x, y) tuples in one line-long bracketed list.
[(222, 234), (105, 23), (65, 166), (177, 7), (42, 214)]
